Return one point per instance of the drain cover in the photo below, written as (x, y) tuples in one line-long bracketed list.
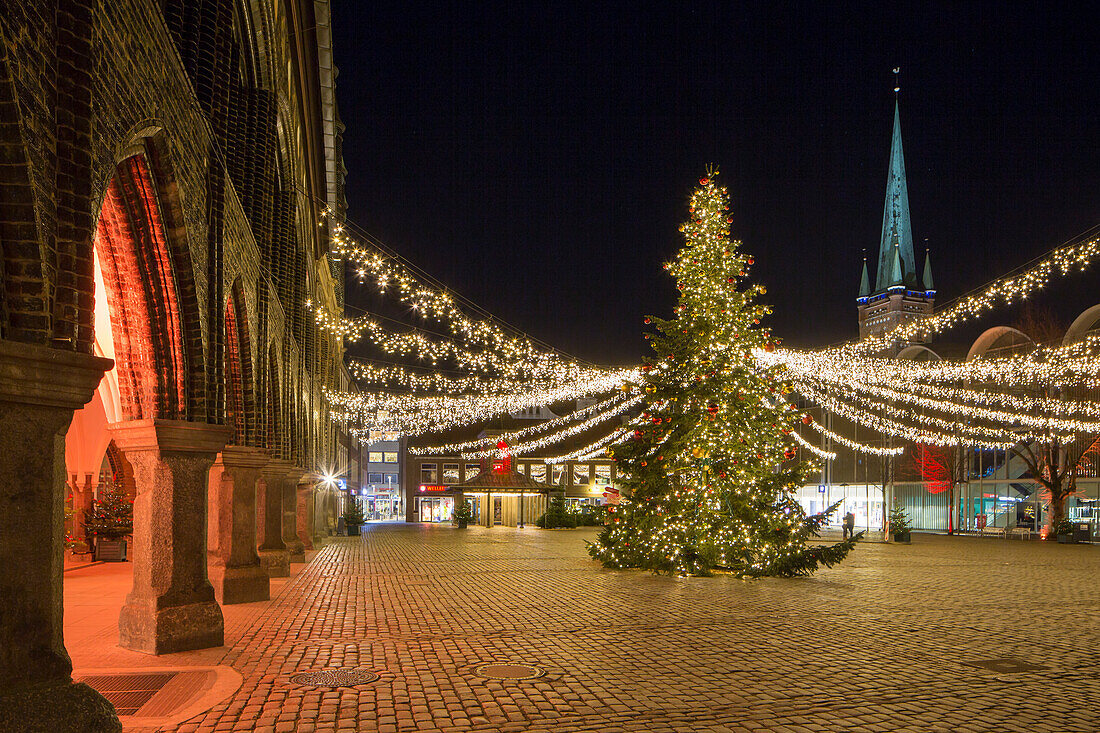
[(336, 677), (1005, 665), (496, 671), (128, 692)]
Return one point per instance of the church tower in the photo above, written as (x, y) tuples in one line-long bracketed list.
[(900, 294)]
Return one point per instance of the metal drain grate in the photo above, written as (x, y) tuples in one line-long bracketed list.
[(498, 671), (335, 677), (128, 692), (1006, 665)]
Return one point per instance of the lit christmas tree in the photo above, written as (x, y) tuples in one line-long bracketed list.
[(710, 472)]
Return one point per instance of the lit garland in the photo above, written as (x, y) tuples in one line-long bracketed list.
[(595, 449), (826, 455), (849, 443), (613, 404), (532, 445)]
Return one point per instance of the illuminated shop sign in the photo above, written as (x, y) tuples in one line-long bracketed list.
[(432, 487)]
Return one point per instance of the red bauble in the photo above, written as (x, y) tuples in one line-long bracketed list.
[(704, 181), (750, 260), (806, 420), (730, 280), (647, 321), (769, 347)]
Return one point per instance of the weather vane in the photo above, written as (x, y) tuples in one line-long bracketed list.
[(897, 84)]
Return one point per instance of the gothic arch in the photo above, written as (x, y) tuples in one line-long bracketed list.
[(22, 316), (1082, 325), (240, 407), (997, 338), (145, 265), (274, 402)]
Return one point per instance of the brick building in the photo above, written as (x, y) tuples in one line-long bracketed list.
[(176, 156)]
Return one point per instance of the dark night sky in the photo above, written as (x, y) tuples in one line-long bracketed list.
[(538, 159)]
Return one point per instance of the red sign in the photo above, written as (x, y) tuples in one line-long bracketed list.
[(431, 487), (504, 463), (980, 520)]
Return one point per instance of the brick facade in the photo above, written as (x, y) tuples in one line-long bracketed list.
[(184, 141)]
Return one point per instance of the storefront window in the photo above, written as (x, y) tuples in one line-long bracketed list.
[(427, 473), (436, 509)]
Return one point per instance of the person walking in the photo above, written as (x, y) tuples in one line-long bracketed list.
[(849, 525)]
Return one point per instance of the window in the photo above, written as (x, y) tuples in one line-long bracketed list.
[(580, 474), (427, 473), (603, 472), (472, 469), (558, 471), (450, 473), (374, 478), (538, 471), (374, 457), (389, 457), (391, 478)]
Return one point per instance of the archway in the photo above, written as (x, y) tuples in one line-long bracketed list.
[(1002, 339), (1082, 325)]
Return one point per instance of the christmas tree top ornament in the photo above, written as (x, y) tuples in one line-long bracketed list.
[(710, 489)]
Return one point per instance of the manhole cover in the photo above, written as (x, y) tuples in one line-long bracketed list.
[(495, 671), (1005, 665), (335, 677)]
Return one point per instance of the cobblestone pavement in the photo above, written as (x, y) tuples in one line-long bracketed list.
[(879, 643)]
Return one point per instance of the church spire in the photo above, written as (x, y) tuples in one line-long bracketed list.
[(929, 287), (897, 233), (864, 281)]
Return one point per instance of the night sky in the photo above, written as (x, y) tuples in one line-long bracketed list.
[(538, 160)]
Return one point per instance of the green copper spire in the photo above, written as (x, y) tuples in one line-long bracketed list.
[(896, 276), (928, 285), (895, 221), (864, 282)]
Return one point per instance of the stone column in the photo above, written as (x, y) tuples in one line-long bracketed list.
[(274, 556), (303, 519), (290, 516), (235, 570), (39, 390), (171, 607)]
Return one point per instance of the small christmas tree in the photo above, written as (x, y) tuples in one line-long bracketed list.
[(112, 516), (709, 473)]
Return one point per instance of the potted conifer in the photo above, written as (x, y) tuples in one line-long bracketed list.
[(462, 515), (899, 526), (353, 517), (1063, 530)]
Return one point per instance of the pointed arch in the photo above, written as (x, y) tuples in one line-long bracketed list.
[(240, 408), (145, 266), (274, 402)]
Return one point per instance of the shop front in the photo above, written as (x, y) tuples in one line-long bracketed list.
[(435, 504)]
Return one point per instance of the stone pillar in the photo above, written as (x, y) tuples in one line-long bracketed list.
[(171, 607), (235, 570), (273, 552), (290, 516), (303, 516), (39, 390)]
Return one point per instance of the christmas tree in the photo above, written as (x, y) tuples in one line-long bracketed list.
[(112, 515), (710, 471)]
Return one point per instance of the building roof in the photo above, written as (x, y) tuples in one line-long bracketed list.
[(897, 232), (501, 482)]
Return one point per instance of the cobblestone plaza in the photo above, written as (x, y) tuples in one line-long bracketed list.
[(944, 634)]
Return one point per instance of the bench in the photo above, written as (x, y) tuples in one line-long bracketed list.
[(992, 531), (1023, 533)]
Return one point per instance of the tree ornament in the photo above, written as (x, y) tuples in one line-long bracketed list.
[(807, 420)]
